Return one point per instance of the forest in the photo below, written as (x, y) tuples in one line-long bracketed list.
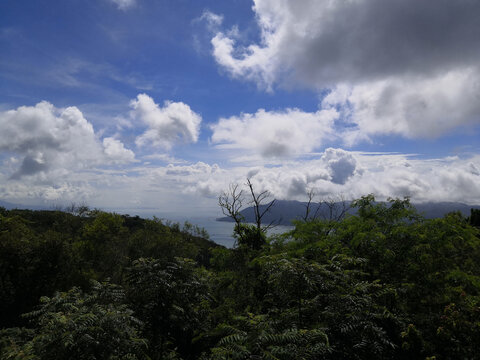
[(383, 283)]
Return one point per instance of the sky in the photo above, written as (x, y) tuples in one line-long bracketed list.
[(159, 105)]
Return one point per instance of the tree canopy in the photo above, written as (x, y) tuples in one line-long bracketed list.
[(382, 283)]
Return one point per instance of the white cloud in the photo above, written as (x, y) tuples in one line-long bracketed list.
[(275, 134), (353, 174), (193, 189), (334, 172), (173, 123), (396, 63), (411, 106), (213, 20), (341, 164), (255, 66), (166, 158), (198, 168), (115, 150), (41, 193), (48, 139), (124, 4), (446, 179), (324, 42)]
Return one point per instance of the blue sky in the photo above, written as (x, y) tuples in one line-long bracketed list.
[(130, 104)]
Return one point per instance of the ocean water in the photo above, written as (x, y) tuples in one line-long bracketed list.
[(220, 232)]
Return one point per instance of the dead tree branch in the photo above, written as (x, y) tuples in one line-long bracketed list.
[(257, 202), (231, 203)]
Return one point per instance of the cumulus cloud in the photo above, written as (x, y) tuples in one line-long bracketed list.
[(325, 42), (402, 66), (337, 171), (386, 175), (173, 123), (341, 164), (197, 185), (411, 106), (275, 134), (124, 4), (116, 151), (46, 138)]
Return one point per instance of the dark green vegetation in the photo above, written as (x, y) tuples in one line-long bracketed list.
[(384, 283)]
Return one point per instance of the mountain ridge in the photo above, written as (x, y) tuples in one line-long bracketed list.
[(283, 212)]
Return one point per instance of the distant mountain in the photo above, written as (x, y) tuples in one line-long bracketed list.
[(284, 211), (440, 209)]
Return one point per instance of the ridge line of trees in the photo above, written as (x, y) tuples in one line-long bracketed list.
[(383, 283)]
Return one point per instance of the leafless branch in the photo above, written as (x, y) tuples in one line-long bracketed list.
[(337, 208), (257, 202), (308, 206), (231, 202)]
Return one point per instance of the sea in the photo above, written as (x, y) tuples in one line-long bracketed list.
[(221, 232)]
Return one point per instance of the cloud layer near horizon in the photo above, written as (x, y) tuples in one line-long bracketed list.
[(335, 171), (353, 174)]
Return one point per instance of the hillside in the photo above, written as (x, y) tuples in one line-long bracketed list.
[(383, 283)]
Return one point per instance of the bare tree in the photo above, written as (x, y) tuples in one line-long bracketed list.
[(337, 207), (259, 208), (309, 205), (77, 209), (332, 208), (231, 203)]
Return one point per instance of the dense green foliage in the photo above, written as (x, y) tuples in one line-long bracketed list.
[(46, 251), (384, 283)]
